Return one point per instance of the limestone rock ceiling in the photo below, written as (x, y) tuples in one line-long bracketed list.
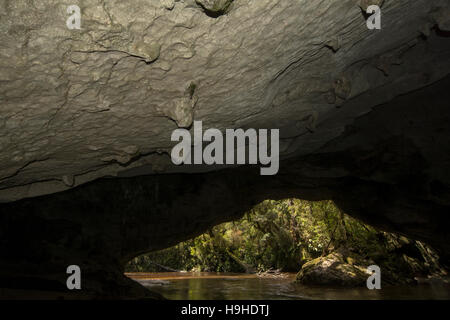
[(102, 101)]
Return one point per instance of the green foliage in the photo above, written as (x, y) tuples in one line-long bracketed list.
[(283, 235)]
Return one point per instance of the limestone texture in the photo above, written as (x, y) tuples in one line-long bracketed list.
[(70, 99)]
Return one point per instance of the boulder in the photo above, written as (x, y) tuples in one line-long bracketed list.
[(332, 270)]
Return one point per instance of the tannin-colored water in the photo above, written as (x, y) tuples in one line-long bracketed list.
[(230, 286)]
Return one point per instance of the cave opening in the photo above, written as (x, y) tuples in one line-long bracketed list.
[(288, 249)]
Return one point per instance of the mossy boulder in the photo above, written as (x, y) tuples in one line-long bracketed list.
[(332, 270)]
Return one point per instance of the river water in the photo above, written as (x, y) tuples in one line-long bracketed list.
[(228, 286)]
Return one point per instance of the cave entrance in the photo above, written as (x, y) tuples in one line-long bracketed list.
[(277, 248)]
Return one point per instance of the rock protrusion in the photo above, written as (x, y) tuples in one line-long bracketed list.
[(364, 4), (182, 111), (168, 4), (68, 180), (343, 87), (149, 52), (215, 8), (442, 19), (332, 270)]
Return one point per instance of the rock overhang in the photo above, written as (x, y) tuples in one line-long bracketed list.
[(103, 100)]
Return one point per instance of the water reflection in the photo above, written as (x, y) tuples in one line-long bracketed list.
[(220, 286)]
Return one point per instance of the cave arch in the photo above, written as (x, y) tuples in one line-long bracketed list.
[(382, 170)]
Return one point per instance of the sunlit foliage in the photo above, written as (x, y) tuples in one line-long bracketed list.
[(284, 235)]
